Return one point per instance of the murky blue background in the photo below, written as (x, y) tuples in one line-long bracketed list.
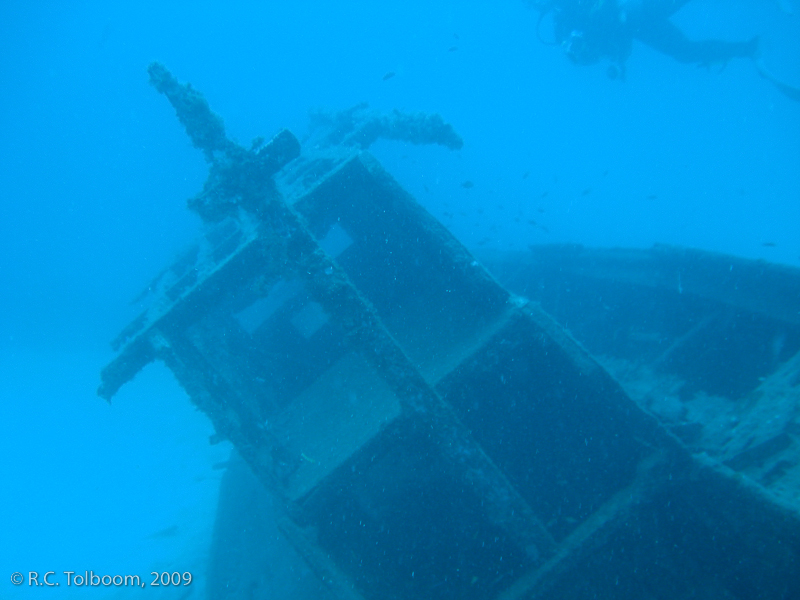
[(95, 170)]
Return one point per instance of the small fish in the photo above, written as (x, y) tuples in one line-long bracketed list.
[(544, 194), (531, 222), (389, 75), (526, 174), (586, 192), (452, 48), (167, 532), (467, 185), (652, 197), (769, 244), (605, 173)]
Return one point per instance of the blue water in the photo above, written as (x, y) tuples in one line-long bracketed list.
[(95, 171)]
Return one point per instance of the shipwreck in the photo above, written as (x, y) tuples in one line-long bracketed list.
[(433, 425)]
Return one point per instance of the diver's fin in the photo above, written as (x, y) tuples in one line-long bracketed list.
[(790, 91)]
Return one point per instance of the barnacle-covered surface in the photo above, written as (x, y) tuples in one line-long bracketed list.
[(358, 126)]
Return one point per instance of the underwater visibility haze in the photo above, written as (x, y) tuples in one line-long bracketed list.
[(549, 148)]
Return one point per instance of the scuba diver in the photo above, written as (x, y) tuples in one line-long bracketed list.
[(594, 30), (591, 31)]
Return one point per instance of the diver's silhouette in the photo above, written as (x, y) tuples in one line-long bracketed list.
[(591, 31)]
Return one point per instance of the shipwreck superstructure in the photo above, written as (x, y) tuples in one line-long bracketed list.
[(425, 432)]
